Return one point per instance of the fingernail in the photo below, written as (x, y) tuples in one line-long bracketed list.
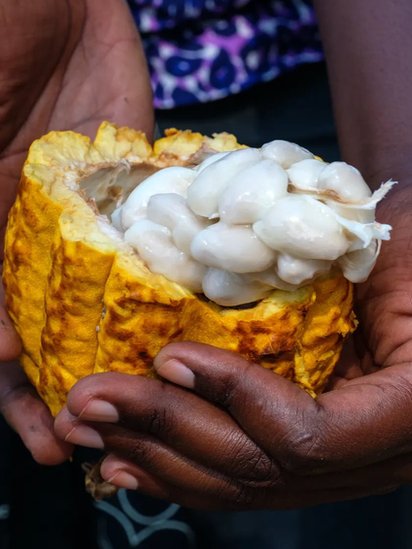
[(85, 436), (99, 410), (124, 480), (176, 372)]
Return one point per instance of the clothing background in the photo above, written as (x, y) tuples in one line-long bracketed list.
[(295, 107), (203, 50)]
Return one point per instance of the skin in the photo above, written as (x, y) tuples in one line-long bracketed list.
[(220, 432), (86, 65)]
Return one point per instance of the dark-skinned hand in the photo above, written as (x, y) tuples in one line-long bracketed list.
[(63, 65), (225, 433)]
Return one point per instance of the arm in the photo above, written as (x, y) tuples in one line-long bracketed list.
[(368, 51)]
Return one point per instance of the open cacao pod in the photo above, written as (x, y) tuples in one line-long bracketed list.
[(84, 302)]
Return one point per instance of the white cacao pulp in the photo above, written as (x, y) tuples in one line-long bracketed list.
[(243, 223)]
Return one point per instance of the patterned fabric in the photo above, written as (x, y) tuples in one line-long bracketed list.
[(202, 50), (130, 519)]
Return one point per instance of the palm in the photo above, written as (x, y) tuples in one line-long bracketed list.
[(384, 304), (71, 65)]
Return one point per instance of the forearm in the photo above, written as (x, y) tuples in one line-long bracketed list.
[(368, 48)]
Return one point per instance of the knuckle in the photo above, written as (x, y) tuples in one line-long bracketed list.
[(157, 416), (266, 469), (249, 464), (256, 466), (228, 388), (305, 452), (248, 461), (249, 495), (140, 450), (158, 421), (242, 496), (311, 443)]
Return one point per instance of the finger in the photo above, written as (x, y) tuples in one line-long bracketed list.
[(29, 417), (365, 421), (188, 487), (288, 492), (203, 432), (167, 471), (164, 466), (269, 408), (125, 474), (162, 472), (189, 493)]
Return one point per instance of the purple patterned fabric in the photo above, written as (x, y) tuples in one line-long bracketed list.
[(202, 50)]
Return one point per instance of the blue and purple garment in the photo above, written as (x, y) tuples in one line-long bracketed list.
[(202, 50)]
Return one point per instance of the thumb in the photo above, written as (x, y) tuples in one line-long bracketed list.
[(269, 408), (219, 375), (365, 421)]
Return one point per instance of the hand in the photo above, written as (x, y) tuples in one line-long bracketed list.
[(253, 440), (63, 65), (19, 404), (235, 435)]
